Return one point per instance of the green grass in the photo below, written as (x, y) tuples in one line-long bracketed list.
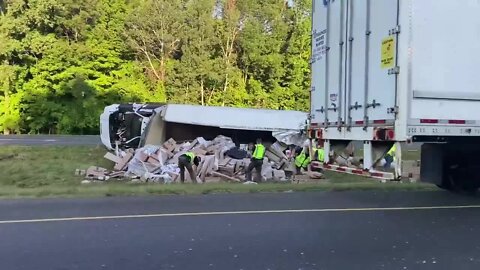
[(411, 155), (406, 155), (46, 171), (37, 166)]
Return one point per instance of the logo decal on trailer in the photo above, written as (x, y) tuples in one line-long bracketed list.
[(388, 52)]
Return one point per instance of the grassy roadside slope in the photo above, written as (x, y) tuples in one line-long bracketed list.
[(46, 171)]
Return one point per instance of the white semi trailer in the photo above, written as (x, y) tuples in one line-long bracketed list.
[(400, 71)]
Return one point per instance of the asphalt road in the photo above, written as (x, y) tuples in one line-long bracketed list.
[(59, 140), (348, 230)]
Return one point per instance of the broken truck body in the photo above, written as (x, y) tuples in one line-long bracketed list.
[(187, 122)]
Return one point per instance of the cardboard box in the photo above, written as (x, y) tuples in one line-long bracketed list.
[(277, 150), (142, 156), (192, 145), (224, 162), (227, 177), (212, 149), (199, 152), (95, 172), (279, 147), (113, 157), (163, 155), (279, 175), (154, 161), (202, 143), (123, 164), (272, 157), (170, 145)]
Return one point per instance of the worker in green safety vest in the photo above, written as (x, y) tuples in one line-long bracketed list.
[(319, 154), (258, 153), (302, 159), (186, 161)]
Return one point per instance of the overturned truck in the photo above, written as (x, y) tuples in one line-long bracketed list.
[(148, 140), (137, 125)]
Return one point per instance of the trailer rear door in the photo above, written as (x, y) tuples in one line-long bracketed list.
[(328, 61), (445, 63), (354, 47), (371, 62)]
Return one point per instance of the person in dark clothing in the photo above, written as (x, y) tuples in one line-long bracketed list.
[(256, 161), (185, 161)]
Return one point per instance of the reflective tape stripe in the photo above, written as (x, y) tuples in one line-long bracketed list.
[(445, 122), (354, 171)]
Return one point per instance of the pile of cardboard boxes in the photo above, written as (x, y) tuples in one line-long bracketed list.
[(158, 164)]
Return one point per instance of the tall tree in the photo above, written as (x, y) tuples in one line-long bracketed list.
[(228, 30), (153, 32), (62, 61), (297, 77), (262, 41), (195, 75)]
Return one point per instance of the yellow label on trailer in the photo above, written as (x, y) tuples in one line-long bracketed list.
[(388, 52)]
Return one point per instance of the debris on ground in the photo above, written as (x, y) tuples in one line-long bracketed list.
[(221, 160), (411, 170)]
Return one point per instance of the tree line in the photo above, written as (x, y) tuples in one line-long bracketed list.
[(62, 61)]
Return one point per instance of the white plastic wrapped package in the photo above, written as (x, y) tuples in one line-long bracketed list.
[(137, 167)]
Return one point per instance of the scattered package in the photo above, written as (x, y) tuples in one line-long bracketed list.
[(220, 159)]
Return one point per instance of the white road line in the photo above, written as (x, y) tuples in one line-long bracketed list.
[(28, 140), (194, 214)]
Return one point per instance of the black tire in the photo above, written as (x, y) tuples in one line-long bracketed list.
[(456, 184), (445, 187)]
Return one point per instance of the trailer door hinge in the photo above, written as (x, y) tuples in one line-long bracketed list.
[(365, 123), (374, 104), (392, 110), (322, 110), (333, 108), (394, 31), (356, 106), (395, 70)]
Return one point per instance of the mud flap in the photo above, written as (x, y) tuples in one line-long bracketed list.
[(432, 163)]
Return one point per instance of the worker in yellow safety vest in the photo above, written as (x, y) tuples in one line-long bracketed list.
[(390, 157), (302, 159), (256, 161), (319, 154), (186, 161)]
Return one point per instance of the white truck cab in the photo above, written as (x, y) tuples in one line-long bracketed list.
[(124, 124)]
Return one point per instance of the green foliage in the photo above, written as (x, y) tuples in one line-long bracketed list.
[(62, 61)]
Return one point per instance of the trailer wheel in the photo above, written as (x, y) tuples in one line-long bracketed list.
[(459, 181), (445, 187)]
